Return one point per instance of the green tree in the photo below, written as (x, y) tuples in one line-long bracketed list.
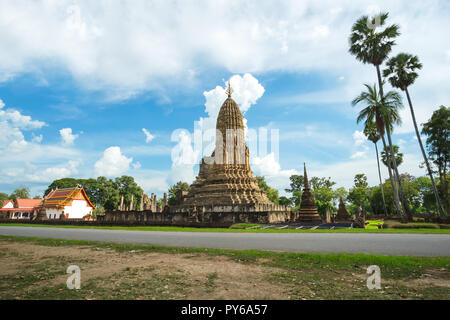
[(3, 196), (271, 193), (23, 193), (128, 189), (285, 201), (371, 132), (438, 144), (384, 112), (371, 46), (296, 187), (386, 156), (401, 72), (296, 182), (358, 195), (172, 197)]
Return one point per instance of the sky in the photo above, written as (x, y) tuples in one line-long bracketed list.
[(111, 88)]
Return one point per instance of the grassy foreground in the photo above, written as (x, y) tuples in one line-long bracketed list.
[(124, 271), (192, 229)]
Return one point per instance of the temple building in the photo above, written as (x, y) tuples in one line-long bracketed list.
[(19, 208), (68, 203), (308, 208), (225, 182)]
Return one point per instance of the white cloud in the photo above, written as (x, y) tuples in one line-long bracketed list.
[(359, 137), (358, 154), (37, 139), (163, 44), (18, 120), (184, 158), (246, 92), (148, 136), (53, 173), (12, 122), (137, 165), (67, 137), (112, 163), (270, 168)]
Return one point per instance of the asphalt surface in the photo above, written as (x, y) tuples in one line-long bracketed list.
[(387, 244)]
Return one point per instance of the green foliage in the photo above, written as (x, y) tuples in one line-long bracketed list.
[(368, 45), (296, 183), (383, 110), (296, 186), (23, 193), (358, 195), (386, 156), (371, 132), (437, 130), (400, 70), (3, 196), (271, 193), (360, 180), (285, 201), (296, 198), (103, 192), (172, 197)]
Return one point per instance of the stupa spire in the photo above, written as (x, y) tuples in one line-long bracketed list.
[(305, 179), (229, 90)]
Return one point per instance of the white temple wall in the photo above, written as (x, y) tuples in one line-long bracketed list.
[(78, 209)]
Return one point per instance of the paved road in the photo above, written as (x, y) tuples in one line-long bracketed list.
[(390, 244)]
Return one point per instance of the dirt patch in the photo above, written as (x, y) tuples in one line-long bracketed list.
[(32, 271), (232, 280)]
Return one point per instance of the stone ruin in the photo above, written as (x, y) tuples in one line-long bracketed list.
[(146, 203), (308, 208), (342, 214), (225, 183)]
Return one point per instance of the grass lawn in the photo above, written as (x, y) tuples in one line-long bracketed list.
[(35, 268), (192, 229)]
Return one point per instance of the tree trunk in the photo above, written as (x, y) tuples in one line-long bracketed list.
[(394, 163), (436, 195), (394, 187), (381, 182)]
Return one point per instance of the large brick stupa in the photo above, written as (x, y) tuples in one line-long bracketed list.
[(225, 182)]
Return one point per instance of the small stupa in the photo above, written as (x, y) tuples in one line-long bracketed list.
[(308, 208), (342, 214)]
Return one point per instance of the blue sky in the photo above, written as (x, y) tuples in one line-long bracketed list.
[(79, 80)]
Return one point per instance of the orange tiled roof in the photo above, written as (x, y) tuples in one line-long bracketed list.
[(28, 203), (61, 197)]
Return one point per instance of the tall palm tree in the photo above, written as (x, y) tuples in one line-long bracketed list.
[(401, 73), (371, 132), (378, 109), (370, 46), (385, 154)]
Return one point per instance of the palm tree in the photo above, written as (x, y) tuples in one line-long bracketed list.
[(378, 109), (401, 72), (371, 132), (370, 46), (385, 154)]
